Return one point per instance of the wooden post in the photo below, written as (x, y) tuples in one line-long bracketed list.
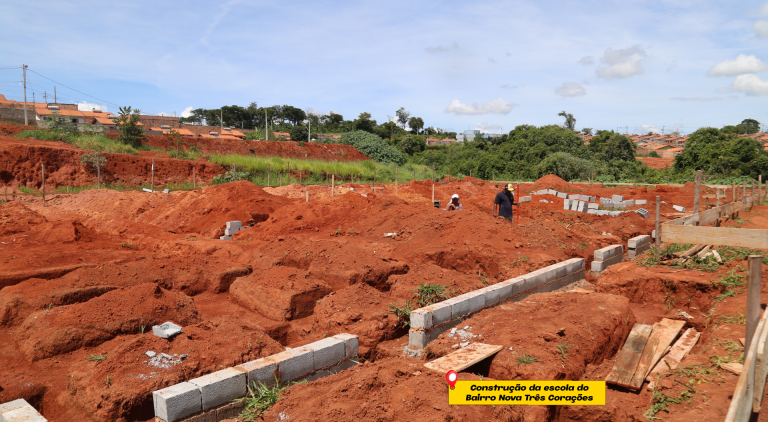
[(753, 194), (333, 183), (299, 176), (414, 173), (744, 195), (433, 172), (307, 192), (281, 179), (658, 222), (194, 177), (42, 167), (395, 172), (269, 171), (152, 183), (592, 179), (733, 200), (753, 297), (433, 192), (396, 194), (374, 174), (697, 193), (288, 174)]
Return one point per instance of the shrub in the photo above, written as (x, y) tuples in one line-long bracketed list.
[(373, 147)]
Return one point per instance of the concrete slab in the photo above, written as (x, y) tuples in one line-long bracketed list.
[(608, 252), (351, 344), (177, 401), (638, 241), (299, 363), (166, 330), (220, 387), (13, 405), (260, 371), (328, 352)]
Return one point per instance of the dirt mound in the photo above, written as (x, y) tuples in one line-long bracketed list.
[(388, 390), (285, 149), (657, 163), (60, 330), (9, 129), (551, 181)]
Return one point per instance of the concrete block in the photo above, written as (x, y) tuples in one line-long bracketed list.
[(166, 191), (593, 206), (574, 264), (230, 232), (573, 196), (581, 207), (332, 370), (459, 306), (567, 204), (590, 211), (600, 266), (491, 294), (177, 401), (561, 269), (13, 405), (476, 301), (617, 198), (146, 190), (220, 387), (351, 344), (328, 352), (421, 318), (584, 198), (643, 212), (653, 234), (419, 339), (506, 288), (299, 363), (166, 330), (575, 205), (608, 252), (562, 195), (236, 225), (525, 199), (592, 199), (604, 200), (629, 202), (634, 253), (552, 192), (602, 212), (225, 237), (260, 371), (441, 313), (641, 201), (638, 241), (614, 213), (678, 208), (23, 414), (229, 411)]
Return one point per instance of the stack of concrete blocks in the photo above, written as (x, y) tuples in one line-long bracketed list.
[(429, 322), (232, 228), (19, 411), (210, 397), (607, 256), (638, 245)]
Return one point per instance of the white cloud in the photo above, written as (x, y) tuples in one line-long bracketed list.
[(187, 112), (86, 106), (623, 63), (750, 85), (217, 20), (570, 89), (587, 60), (743, 64), (761, 28), (442, 49), (495, 106), (650, 128), (484, 127)]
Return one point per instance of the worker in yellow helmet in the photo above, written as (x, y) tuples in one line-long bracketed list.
[(505, 199)]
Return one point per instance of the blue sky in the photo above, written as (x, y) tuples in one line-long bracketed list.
[(490, 65)]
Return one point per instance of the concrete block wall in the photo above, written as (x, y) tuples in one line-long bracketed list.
[(638, 245), (209, 398), (19, 411), (429, 322), (607, 256)]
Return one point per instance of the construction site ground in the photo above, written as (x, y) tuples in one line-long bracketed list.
[(84, 277)]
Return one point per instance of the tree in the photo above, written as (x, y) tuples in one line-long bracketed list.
[(373, 147), (402, 116), (612, 146), (413, 144), (586, 131), (750, 125), (364, 122), (334, 118), (293, 114), (128, 121), (570, 121), (299, 133), (416, 124), (96, 160)]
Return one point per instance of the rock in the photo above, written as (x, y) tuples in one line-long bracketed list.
[(465, 344), (561, 332), (184, 356), (453, 331), (151, 354), (165, 356), (166, 330)]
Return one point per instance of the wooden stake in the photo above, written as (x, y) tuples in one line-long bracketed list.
[(281, 179), (307, 191), (658, 223), (433, 192), (697, 193), (152, 183), (333, 183), (374, 174), (433, 173), (759, 189), (753, 297), (194, 181), (753, 194), (744, 195), (396, 189), (42, 167), (269, 170)]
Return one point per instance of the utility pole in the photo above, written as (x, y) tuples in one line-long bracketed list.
[(55, 101), (266, 127), (662, 129), (24, 70), (221, 120), (45, 96)]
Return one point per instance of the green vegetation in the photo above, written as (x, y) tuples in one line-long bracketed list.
[(230, 176), (403, 312), (87, 141), (428, 294), (108, 383), (562, 348), (526, 359), (260, 399), (96, 358), (661, 401), (128, 122)]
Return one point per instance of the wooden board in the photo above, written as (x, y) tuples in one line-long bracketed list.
[(743, 395), (644, 366), (761, 364), (677, 353), (463, 358), (629, 356), (721, 236), (666, 331)]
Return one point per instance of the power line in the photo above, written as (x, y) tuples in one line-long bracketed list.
[(79, 92)]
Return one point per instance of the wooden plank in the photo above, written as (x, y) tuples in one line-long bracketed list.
[(721, 236), (761, 364), (629, 356), (684, 221), (733, 367), (646, 359), (743, 394), (463, 358), (677, 353), (666, 331), (708, 216)]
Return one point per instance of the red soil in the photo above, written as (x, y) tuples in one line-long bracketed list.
[(657, 163), (80, 275)]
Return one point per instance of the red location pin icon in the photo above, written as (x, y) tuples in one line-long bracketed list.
[(451, 376)]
